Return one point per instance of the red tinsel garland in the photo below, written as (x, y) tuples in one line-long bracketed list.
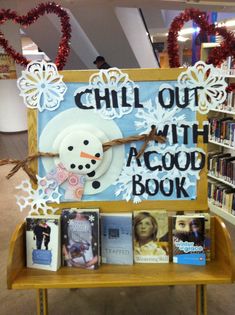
[(217, 55), (30, 18)]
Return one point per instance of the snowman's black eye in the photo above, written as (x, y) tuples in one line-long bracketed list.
[(70, 148), (97, 154), (86, 142)]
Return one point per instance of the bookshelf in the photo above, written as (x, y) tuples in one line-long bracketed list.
[(220, 180), (223, 141), (222, 212)]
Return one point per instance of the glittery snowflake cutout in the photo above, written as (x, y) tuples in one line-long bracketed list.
[(210, 83), (155, 114), (91, 218), (41, 86), (35, 200), (114, 81), (124, 181)]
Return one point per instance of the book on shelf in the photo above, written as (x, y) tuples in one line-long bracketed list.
[(208, 238), (116, 238), (151, 236), (43, 246), (80, 238), (218, 129), (188, 239), (214, 162)]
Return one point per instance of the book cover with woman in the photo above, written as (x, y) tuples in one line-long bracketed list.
[(151, 236), (189, 239)]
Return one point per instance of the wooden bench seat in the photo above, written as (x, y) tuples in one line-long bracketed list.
[(218, 271)]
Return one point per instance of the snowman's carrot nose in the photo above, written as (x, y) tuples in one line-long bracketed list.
[(89, 156)]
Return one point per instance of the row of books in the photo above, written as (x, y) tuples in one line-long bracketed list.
[(222, 130), (85, 238), (222, 196), (222, 165)]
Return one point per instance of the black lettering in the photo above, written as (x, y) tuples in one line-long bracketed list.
[(170, 162), (200, 132), (78, 101), (124, 102), (186, 129), (138, 188), (196, 93), (185, 98), (155, 190), (147, 161), (132, 153), (174, 133), (137, 98), (99, 98), (179, 187), (194, 159), (114, 99), (164, 132), (161, 98), (179, 165), (169, 190)]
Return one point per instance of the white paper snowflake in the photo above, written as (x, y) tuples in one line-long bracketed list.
[(41, 86), (212, 85), (114, 80), (36, 199), (124, 181), (154, 114)]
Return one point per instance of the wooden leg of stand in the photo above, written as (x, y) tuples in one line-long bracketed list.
[(42, 307), (201, 300)]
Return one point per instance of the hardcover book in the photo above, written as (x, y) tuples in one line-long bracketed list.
[(151, 236), (80, 238), (43, 249), (189, 239), (116, 238)]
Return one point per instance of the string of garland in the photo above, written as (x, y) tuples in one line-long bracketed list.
[(30, 18), (217, 55), (24, 164)]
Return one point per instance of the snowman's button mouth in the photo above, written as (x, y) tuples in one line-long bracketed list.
[(91, 174)]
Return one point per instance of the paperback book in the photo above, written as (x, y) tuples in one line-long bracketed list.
[(151, 236), (189, 239), (43, 242), (80, 238), (116, 238)]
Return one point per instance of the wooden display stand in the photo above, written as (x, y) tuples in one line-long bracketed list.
[(219, 270)]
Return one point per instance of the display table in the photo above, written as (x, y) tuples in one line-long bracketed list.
[(219, 270)]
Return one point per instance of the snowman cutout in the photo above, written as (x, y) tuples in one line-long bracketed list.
[(78, 139)]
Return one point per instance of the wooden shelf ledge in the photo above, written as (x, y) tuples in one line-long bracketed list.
[(219, 270)]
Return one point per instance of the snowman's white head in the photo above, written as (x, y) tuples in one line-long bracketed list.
[(81, 152)]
